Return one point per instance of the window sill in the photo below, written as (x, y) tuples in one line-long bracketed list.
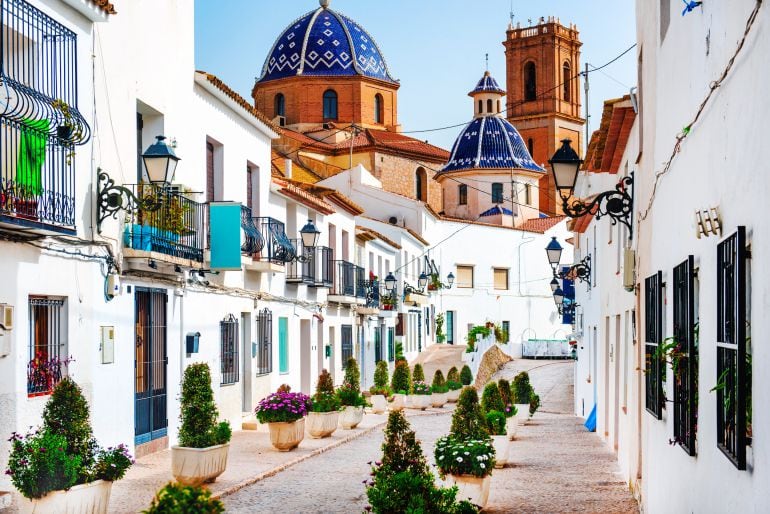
[(229, 384)]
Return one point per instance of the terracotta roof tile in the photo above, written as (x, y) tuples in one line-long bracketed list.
[(240, 100), (376, 235), (295, 191), (105, 6), (579, 225), (541, 225), (608, 143)]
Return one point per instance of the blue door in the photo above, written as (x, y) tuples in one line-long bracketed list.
[(150, 365)]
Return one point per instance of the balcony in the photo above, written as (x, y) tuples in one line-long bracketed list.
[(371, 290), (276, 249), (169, 226), (316, 269), (298, 272)]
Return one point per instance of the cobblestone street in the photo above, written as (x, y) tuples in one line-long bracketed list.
[(558, 465)]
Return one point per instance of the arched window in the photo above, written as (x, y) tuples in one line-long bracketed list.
[(462, 193), (279, 105), (481, 106), (489, 106), (499, 106), (330, 104), (421, 185), (566, 73), (379, 109), (497, 192), (531, 147), (530, 82)]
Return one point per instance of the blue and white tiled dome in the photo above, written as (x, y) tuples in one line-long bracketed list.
[(325, 43), (487, 84), (490, 142)]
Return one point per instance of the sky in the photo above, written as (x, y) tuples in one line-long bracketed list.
[(436, 48)]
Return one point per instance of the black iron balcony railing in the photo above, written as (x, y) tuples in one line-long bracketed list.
[(322, 266), (177, 228), (372, 290), (300, 271), (253, 242), (361, 282), (277, 248), (344, 279)]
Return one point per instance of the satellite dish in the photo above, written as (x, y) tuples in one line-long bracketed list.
[(393, 220)]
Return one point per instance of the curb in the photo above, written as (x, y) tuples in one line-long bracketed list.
[(318, 451)]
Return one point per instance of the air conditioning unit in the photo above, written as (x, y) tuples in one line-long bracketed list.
[(6, 316), (629, 269)]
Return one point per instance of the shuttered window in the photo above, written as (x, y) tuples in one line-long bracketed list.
[(283, 345), (464, 278), (501, 278)]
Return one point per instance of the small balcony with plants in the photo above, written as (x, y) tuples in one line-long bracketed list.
[(371, 288)]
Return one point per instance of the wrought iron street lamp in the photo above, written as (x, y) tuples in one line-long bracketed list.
[(554, 284), (310, 234), (390, 282), (422, 281), (617, 203), (582, 270), (450, 279), (160, 161), (553, 250), (558, 296)]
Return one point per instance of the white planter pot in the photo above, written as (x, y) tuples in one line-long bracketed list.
[(511, 426), (453, 396), (322, 424), (523, 412), (379, 403), (196, 466), (351, 417), (420, 401), (92, 498), (438, 400), (471, 488), (501, 444), (287, 436), (398, 403)]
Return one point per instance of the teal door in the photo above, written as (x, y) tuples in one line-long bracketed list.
[(283, 345)]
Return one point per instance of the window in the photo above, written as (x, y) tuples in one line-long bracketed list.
[(283, 345), (686, 372), (210, 172), (489, 105), (450, 327), (733, 385), (391, 344), (330, 105), (462, 193), (566, 74), (421, 185), (48, 357), (264, 355), (501, 278), (464, 278), (228, 349), (530, 82), (528, 194), (481, 106), (507, 331), (499, 106), (531, 146), (497, 192), (279, 105), (347, 343), (379, 109), (653, 334), (665, 18), (377, 344)]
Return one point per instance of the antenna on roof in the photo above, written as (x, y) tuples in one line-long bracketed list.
[(511, 13), (487, 57)]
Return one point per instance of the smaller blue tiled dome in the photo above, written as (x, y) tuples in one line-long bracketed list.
[(490, 142), (487, 84)]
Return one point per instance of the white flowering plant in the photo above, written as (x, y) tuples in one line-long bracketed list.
[(464, 457)]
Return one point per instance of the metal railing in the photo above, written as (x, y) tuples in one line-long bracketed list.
[(277, 247), (253, 242), (300, 271), (322, 266), (344, 279), (360, 274), (372, 288), (176, 228)]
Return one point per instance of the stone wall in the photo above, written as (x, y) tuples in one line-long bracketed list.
[(493, 360)]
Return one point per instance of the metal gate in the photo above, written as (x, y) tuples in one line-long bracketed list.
[(150, 365)]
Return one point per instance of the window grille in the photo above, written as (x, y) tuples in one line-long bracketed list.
[(228, 329), (733, 386), (264, 342), (391, 344), (685, 361), (347, 343), (653, 332), (377, 344), (48, 358)]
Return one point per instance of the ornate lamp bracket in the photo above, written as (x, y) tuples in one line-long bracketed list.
[(618, 204), (581, 270), (112, 199)]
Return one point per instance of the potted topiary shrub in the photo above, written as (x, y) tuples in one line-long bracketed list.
[(522, 391), (201, 455), (380, 390), (178, 499), (402, 481), (350, 396), (60, 467), (493, 407), (466, 377), (418, 375), (511, 420), (466, 456), (284, 412), (421, 396), (453, 384), (534, 403), (400, 384), (438, 390), (324, 415)]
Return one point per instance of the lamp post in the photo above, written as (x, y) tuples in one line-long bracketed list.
[(422, 281), (160, 162), (450, 279), (582, 269), (390, 282), (554, 284), (617, 203), (309, 234), (553, 250)]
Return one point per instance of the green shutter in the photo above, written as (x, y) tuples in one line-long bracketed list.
[(283, 345)]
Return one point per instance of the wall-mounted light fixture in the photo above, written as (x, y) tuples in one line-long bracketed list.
[(581, 270)]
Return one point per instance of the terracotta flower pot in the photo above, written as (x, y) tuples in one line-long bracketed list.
[(91, 498), (196, 466), (453, 396), (420, 401), (511, 426), (471, 488), (398, 403), (501, 444), (351, 417), (322, 424), (379, 403), (438, 400), (286, 436)]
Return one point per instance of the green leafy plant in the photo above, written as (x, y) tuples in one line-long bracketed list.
[(496, 422), (325, 399), (418, 374), (350, 396), (40, 463), (475, 332), (180, 499), (198, 411), (400, 352), (401, 381), (505, 394), (522, 389), (439, 384), (466, 377), (440, 336), (534, 403), (453, 386), (453, 375), (491, 400), (380, 380), (282, 407), (352, 374), (402, 481), (112, 463), (501, 335), (464, 456), (468, 421), (420, 388)]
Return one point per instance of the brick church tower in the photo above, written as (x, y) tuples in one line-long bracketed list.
[(543, 94)]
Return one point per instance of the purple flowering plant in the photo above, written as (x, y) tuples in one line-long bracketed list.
[(282, 407)]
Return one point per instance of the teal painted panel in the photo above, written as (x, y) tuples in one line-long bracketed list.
[(283, 345), (225, 228)]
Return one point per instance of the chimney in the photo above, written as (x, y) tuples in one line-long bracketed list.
[(287, 168)]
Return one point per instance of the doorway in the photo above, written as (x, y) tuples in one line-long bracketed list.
[(150, 365), (304, 355), (332, 353), (320, 347)]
